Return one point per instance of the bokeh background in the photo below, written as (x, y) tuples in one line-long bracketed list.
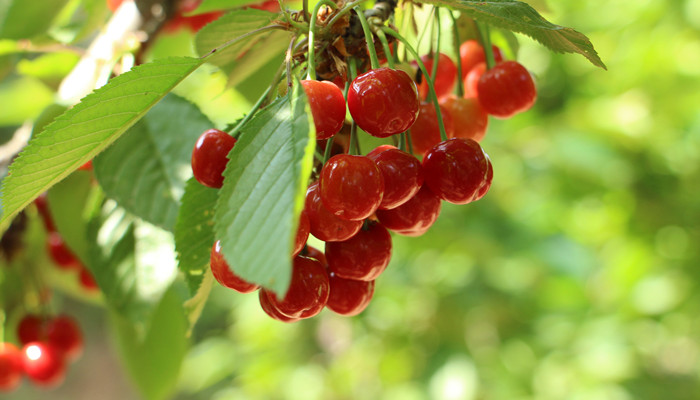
[(575, 278)]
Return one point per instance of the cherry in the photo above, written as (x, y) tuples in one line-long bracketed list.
[(425, 133), (114, 4), (351, 187), (86, 167), (471, 81), (307, 293), (60, 253), (199, 21), (271, 310), (456, 170), (383, 101), (43, 364), (42, 206), (302, 233), (87, 281), (506, 90), (363, 257), (471, 53), (402, 173), (10, 367), (487, 184), (327, 107), (349, 297), (445, 77), (414, 217), (223, 273), (63, 334), (269, 5), (210, 156), (468, 117), (30, 329), (323, 224), (187, 6), (316, 254)]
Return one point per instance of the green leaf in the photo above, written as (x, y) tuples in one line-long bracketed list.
[(263, 192), (21, 20), (241, 59), (522, 18), (194, 232), (195, 305), (68, 201), (213, 5), (154, 358), (88, 128), (145, 170)]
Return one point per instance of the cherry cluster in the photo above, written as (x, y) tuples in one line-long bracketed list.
[(48, 345)]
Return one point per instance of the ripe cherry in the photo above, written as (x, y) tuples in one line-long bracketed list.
[(42, 206), (363, 257), (468, 117), (414, 217), (63, 334), (327, 107), (402, 173), (425, 133), (456, 170), (271, 310), (471, 81), (323, 224), (349, 297), (210, 156), (445, 77), (307, 293), (30, 329), (302, 233), (10, 367), (471, 53), (223, 273), (351, 187), (383, 101), (60, 253), (506, 89), (43, 364), (87, 281)]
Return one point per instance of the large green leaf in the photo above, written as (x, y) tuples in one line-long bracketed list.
[(88, 128), (145, 170), (22, 20), (521, 17), (213, 5), (263, 192)]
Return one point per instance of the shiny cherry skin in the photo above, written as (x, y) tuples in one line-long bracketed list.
[(363, 257), (425, 133), (11, 370), (469, 120), (210, 156), (471, 53), (30, 329), (383, 101), (64, 335), (307, 293), (323, 224), (402, 173), (414, 217), (471, 81), (487, 183), (445, 77), (302, 233), (327, 107), (456, 170), (351, 187), (43, 364), (316, 254), (506, 89), (223, 273), (60, 253), (271, 310), (349, 297)]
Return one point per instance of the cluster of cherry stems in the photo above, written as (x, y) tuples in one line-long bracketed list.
[(357, 200)]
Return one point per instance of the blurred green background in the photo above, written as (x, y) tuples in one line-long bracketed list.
[(574, 278)]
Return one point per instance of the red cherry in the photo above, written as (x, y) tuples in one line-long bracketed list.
[(114, 4), (199, 21), (187, 6), (487, 183), (43, 364), (425, 133), (86, 167), (445, 77), (471, 53), (63, 334), (506, 90), (414, 217), (269, 5), (468, 117), (383, 101), (349, 297), (60, 253), (271, 310), (30, 329), (471, 81), (87, 281), (223, 273), (210, 156), (302, 233), (307, 293), (316, 254), (363, 257), (351, 187), (10, 367), (456, 170), (327, 107), (323, 224), (42, 206), (402, 173)]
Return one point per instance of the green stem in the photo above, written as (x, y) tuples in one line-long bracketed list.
[(422, 34), (329, 147), (369, 38), (354, 147), (457, 43), (386, 47), (236, 131), (485, 40), (402, 141), (346, 9), (305, 9), (431, 87), (436, 53), (311, 62)]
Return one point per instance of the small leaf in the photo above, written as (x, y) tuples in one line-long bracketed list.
[(263, 192), (194, 232), (88, 128), (522, 18), (145, 170)]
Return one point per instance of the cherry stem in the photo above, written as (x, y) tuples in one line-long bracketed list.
[(305, 9), (387, 49), (310, 61), (288, 57), (402, 141), (327, 152), (354, 147), (485, 40), (431, 87), (2, 325), (346, 9), (436, 53), (457, 43), (236, 131), (422, 34), (369, 38)]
